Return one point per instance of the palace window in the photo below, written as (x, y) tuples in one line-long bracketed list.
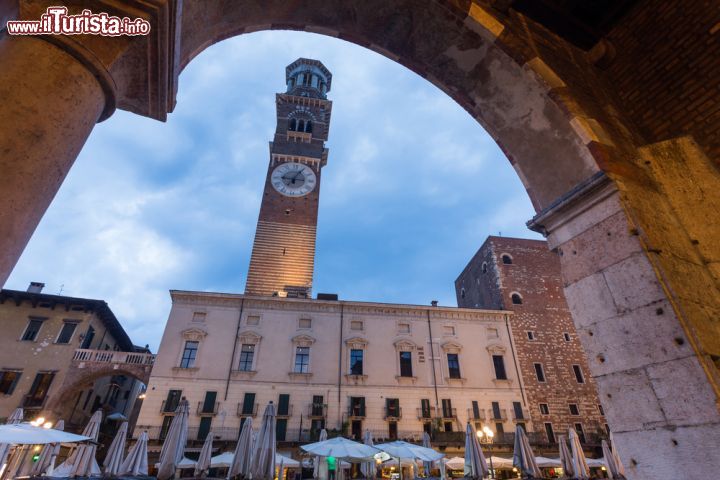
[(580, 432), (189, 354), (574, 410), (549, 432), (531, 335), (506, 259), (539, 372), (406, 364), (66, 332), (356, 362), (403, 328), (305, 323), (566, 336), (453, 365), (247, 352), (8, 381), (199, 317), (544, 409), (302, 359), (499, 364), (293, 125), (32, 329)]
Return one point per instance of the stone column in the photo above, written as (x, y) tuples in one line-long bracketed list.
[(52, 96), (657, 397)]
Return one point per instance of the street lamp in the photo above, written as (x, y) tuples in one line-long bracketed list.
[(488, 435)]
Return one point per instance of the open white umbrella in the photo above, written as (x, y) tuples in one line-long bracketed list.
[(286, 461), (203, 462), (455, 463), (368, 468), (136, 462), (475, 465), (243, 452), (223, 460), (501, 462), (116, 452), (46, 461), (523, 456), (618, 462), (263, 462), (317, 461), (580, 466), (400, 449), (565, 457), (340, 447), (545, 462), (15, 418), (26, 434), (174, 445), (81, 462)]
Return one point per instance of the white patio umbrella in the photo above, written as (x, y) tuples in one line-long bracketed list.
[(545, 462), (580, 466), (46, 462), (243, 452), (317, 461), (618, 462), (81, 462), (340, 447), (174, 446), (223, 460), (263, 462), (565, 457), (475, 464), (286, 461), (455, 463), (410, 451), (523, 456), (136, 462), (116, 452), (609, 461), (15, 417), (368, 468), (203, 462), (427, 466), (500, 462), (26, 434)]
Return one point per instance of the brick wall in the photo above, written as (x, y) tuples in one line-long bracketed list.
[(535, 275)]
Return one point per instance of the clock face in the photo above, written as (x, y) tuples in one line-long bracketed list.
[(293, 179)]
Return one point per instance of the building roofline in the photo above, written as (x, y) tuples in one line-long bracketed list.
[(100, 307), (314, 301)]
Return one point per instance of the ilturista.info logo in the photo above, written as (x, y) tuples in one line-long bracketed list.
[(56, 21)]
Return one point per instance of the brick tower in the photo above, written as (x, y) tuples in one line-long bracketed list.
[(524, 276), (283, 253)]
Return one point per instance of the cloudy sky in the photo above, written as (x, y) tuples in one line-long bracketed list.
[(412, 187)]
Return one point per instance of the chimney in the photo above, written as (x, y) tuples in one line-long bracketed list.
[(434, 303), (35, 287)]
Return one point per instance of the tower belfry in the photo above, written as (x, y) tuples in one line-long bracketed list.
[(283, 254)]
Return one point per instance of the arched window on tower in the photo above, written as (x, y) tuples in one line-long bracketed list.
[(301, 126), (506, 259), (293, 125), (308, 127), (516, 299)]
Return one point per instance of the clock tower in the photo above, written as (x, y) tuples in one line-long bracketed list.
[(283, 254)]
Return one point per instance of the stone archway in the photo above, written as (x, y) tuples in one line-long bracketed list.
[(623, 208)]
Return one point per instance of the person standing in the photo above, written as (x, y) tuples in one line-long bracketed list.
[(331, 463)]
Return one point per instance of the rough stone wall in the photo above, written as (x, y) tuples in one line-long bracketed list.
[(535, 275)]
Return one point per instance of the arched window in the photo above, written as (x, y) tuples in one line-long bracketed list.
[(301, 125), (516, 299), (308, 127), (506, 259), (484, 267), (293, 125), (462, 293)]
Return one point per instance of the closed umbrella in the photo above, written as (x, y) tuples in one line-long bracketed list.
[(243, 452), (475, 465), (427, 466), (174, 446), (612, 468), (580, 466), (618, 462), (136, 462), (523, 456), (263, 462), (203, 462), (15, 417), (46, 461), (280, 469), (116, 452), (317, 462), (565, 457), (81, 462), (368, 468)]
